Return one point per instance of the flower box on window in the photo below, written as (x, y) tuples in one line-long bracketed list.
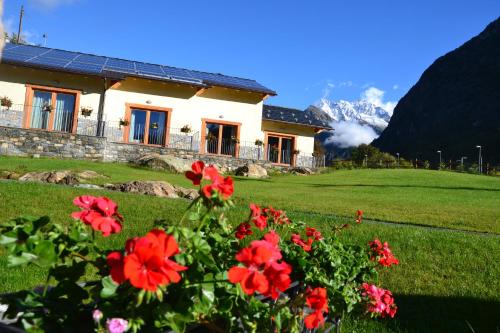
[(186, 129), (86, 111), (259, 143), (6, 102), (155, 125), (124, 122)]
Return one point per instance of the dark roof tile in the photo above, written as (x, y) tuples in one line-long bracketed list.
[(293, 116)]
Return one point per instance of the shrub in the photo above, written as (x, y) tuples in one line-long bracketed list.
[(268, 274)]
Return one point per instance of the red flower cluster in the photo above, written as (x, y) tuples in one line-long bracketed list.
[(312, 232), (318, 302), (278, 216), (262, 272), (258, 216), (359, 216), (305, 245), (382, 253), (147, 264), (312, 235), (219, 185), (100, 213), (381, 301), (243, 230)]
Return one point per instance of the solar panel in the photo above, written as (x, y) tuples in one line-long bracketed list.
[(7, 55), (92, 64), (121, 64), (51, 62), (63, 55), (84, 67), (92, 59), (149, 69)]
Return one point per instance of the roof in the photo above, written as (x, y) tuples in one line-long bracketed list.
[(292, 116), (89, 64)]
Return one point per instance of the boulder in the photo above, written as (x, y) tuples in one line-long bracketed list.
[(66, 177), (53, 177), (154, 188), (9, 175), (251, 170), (164, 162), (301, 171)]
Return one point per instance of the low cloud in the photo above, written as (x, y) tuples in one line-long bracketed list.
[(376, 97), (51, 4), (350, 134)]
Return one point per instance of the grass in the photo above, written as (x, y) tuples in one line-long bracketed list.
[(447, 280)]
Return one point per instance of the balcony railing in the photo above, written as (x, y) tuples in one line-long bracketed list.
[(176, 138)]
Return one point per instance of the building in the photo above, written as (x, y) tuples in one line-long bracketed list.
[(142, 104)]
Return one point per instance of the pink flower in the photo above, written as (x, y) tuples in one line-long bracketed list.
[(100, 213), (97, 315), (116, 325), (380, 301)]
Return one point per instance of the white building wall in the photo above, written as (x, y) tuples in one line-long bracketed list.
[(189, 109)]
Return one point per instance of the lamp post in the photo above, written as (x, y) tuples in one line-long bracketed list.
[(462, 161), (398, 159), (439, 152), (480, 160)]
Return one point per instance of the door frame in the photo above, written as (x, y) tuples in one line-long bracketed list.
[(128, 114), (204, 122), (28, 106), (267, 134)]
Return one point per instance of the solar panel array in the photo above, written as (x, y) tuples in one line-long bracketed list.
[(287, 115), (42, 57)]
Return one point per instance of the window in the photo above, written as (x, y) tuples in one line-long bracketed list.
[(147, 125), (280, 148), (221, 138), (51, 109)]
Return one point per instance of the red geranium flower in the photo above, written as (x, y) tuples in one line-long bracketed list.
[(305, 246), (382, 253), (220, 185), (257, 216), (100, 213), (359, 216), (312, 232), (262, 271), (148, 264), (115, 261), (243, 230), (317, 300), (197, 172)]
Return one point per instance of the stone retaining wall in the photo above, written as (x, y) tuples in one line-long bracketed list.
[(37, 143)]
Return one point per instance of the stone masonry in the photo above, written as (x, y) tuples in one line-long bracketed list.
[(38, 143)]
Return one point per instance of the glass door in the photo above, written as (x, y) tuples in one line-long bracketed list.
[(148, 127), (280, 149), (40, 113), (53, 111), (221, 139)]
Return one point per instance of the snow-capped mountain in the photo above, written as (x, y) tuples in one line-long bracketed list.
[(361, 111)]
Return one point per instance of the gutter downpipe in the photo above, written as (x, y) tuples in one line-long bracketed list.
[(100, 114)]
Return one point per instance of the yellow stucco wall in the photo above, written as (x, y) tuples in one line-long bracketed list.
[(305, 134), (188, 108), (13, 80)]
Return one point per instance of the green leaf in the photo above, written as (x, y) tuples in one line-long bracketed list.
[(46, 253), (4, 240), (108, 287), (22, 259)]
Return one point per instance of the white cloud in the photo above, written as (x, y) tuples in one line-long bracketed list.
[(350, 134), (376, 97), (51, 4), (395, 87)]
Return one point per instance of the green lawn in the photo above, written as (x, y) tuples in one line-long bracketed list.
[(446, 279)]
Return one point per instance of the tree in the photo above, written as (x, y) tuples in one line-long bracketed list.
[(12, 38), (359, 153)]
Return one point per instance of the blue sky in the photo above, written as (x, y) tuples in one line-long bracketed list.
[(305, 50)]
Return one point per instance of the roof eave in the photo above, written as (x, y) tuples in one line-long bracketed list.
[(300, 124)]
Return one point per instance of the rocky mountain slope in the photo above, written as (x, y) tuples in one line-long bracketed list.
[(454, 106)]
